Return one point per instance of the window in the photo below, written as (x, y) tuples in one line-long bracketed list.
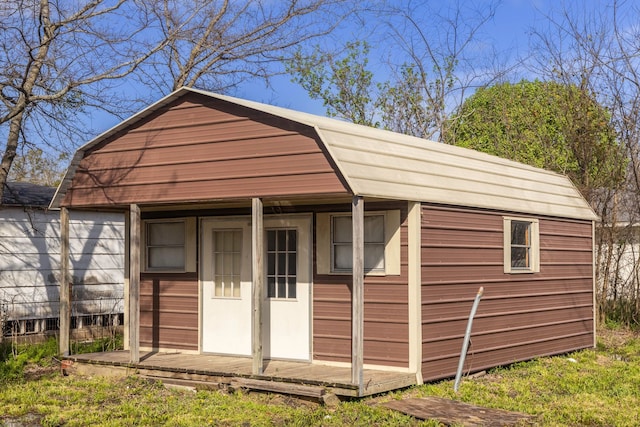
[(282, 262), (521, 245), (381, 241), (227, 256), (169, 245), (342, 248)]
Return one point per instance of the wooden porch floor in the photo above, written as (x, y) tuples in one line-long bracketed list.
[(296, 378)]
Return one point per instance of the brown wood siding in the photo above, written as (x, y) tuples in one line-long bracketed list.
[(203, 149), (520, 316), (169, 311), (386, 311)]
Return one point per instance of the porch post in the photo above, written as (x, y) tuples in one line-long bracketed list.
[(134, 283), (415, 291), (257, 273), (357, 298), (127, 259), (65, 285)]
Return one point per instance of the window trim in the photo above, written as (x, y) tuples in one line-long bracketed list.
[(534, 265), (391, 244), (189, 264)]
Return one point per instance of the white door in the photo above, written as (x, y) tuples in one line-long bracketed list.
[(286, 312), (226, 287)]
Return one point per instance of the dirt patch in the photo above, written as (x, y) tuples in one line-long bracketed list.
[(29, 420), (616, 338), (35, 372)]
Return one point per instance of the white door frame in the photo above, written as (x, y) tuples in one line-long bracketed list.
[(290, 320)]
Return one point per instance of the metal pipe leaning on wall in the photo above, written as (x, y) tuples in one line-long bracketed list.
[(467, 336)]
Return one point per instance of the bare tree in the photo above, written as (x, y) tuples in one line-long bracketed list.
[(425, 61), (59, 58), (440, 53), (218, 44), (61, 61), (597, 47)]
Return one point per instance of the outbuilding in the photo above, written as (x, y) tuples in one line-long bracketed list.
[(30, 266), (264, 234)]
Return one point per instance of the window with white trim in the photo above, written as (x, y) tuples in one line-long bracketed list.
[(168, 245), (521, 245), (334, 243), (165, 243), (342, 243)]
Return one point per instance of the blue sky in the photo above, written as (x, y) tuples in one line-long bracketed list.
[(507, 32)]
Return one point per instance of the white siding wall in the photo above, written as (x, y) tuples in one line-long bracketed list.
[(30, 261)]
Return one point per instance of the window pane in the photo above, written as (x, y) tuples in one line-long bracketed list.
[(343, 257), (519, 257), (291, 264), (292, 287), (229, 241), (271, 264), (271, 287), (292, 243), (271, 240), (165, 233), (166, 257), (374, 257), (282, 287), (374, 229), (282, 240), (237, 264), (228, 284), (520, 233), (342, 231)]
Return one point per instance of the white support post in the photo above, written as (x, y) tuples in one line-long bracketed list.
[(415, 291), (357, 296), (65, 284), (134, 283), (257, 272)]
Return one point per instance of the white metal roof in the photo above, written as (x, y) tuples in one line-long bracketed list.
[(383, 164)]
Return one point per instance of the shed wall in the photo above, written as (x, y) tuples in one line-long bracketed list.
[(200, 148), (30, 263), (386, 318), (169, 311), (520, 316)]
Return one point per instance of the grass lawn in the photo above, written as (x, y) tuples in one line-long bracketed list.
[(599, 387)]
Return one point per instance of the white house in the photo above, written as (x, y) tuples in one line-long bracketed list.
[(30, 262)]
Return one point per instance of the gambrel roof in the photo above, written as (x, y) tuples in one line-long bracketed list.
[(382, 164)]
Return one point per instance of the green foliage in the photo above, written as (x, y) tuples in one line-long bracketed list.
[(14, 358), (543, 124), (403, 106), (343, 84), (111, 342), (621, 312), (590, 387), (412, 103)]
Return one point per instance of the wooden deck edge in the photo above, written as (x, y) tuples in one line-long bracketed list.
[(279, 387), (213, 379), (391, 385)]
